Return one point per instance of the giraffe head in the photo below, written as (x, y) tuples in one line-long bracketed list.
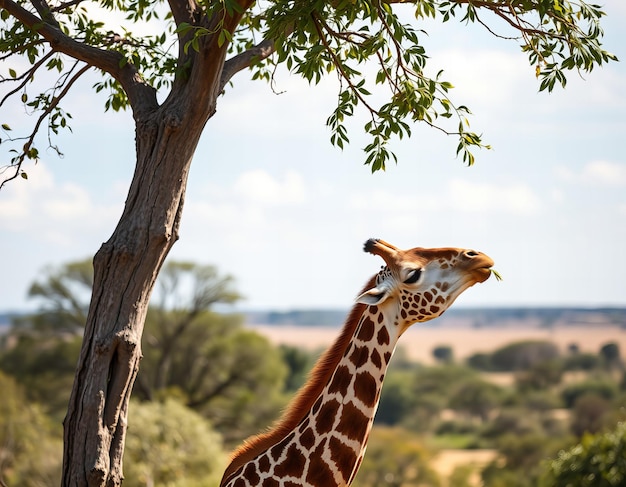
[(423, 283)]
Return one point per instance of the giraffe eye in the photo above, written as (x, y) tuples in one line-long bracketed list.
[(414, 276)]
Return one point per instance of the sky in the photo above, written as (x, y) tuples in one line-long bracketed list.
[(271, 202)]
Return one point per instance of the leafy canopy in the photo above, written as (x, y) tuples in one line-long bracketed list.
[(374, 48)]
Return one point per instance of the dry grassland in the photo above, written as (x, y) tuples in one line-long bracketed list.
[(465, 341)]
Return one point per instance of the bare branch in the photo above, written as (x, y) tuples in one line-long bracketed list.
[(53, 104), (63, 6), (232, 66), (25, 77)]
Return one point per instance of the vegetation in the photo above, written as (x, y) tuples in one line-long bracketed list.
[(597, 461), (213, 382)]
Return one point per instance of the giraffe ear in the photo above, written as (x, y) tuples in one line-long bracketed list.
[(373, 296)]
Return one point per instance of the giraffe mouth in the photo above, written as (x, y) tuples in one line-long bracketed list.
[(482, 268), (481, 274)]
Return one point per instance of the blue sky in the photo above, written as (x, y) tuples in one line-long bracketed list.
[(271, 202)]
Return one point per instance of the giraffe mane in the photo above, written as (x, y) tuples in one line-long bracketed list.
[(306, 396)]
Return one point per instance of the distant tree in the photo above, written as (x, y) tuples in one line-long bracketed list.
[(298, 362), (540, 375), (597, 461), (523, 355), (573, 348), (221, 370), (185, 292), (63, 294), (443, 354), (395, 458), (610, 354), (171, 445), (475, 397), (397, 400), (511, 422)]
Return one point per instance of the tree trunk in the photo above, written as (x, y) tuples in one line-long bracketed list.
[(125, 270)]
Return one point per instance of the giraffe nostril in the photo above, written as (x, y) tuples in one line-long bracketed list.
[(471, 253)]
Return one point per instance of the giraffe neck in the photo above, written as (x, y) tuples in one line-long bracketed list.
[(322, 442)]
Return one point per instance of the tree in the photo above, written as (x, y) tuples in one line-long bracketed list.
[(523, 355), (611, 355), (443, 354), (476, 397), (195, 50)]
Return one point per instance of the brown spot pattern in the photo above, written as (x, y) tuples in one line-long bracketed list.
[(341, 380), (292, 465), (375, 358), (326, 417), (278, 449), (307, 439), (366, 331), (353, 423), (365, 388), (264, 464), (383, 336), (251, 474), (344, 457), (319, 473), (359, 356)]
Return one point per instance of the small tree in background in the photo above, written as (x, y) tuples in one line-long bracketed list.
[(443, 354), (611, 357)]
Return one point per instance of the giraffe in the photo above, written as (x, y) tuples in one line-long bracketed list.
[(321, 438)]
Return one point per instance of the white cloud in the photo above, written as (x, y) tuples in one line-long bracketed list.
[(597, 173), (517, 199), (53, 212), (259, 187)]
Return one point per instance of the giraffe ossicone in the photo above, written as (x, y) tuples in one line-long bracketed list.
[(321, 439)]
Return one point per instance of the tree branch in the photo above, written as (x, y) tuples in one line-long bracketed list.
[(45, 11), (136, 89), (25, 77), (232, 66)]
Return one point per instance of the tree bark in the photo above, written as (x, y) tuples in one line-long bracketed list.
[(125, 270)]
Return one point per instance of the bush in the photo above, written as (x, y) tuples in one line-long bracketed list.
[(589, 414), (602, 388), (170, 445), (597, 461), (581, 361)]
